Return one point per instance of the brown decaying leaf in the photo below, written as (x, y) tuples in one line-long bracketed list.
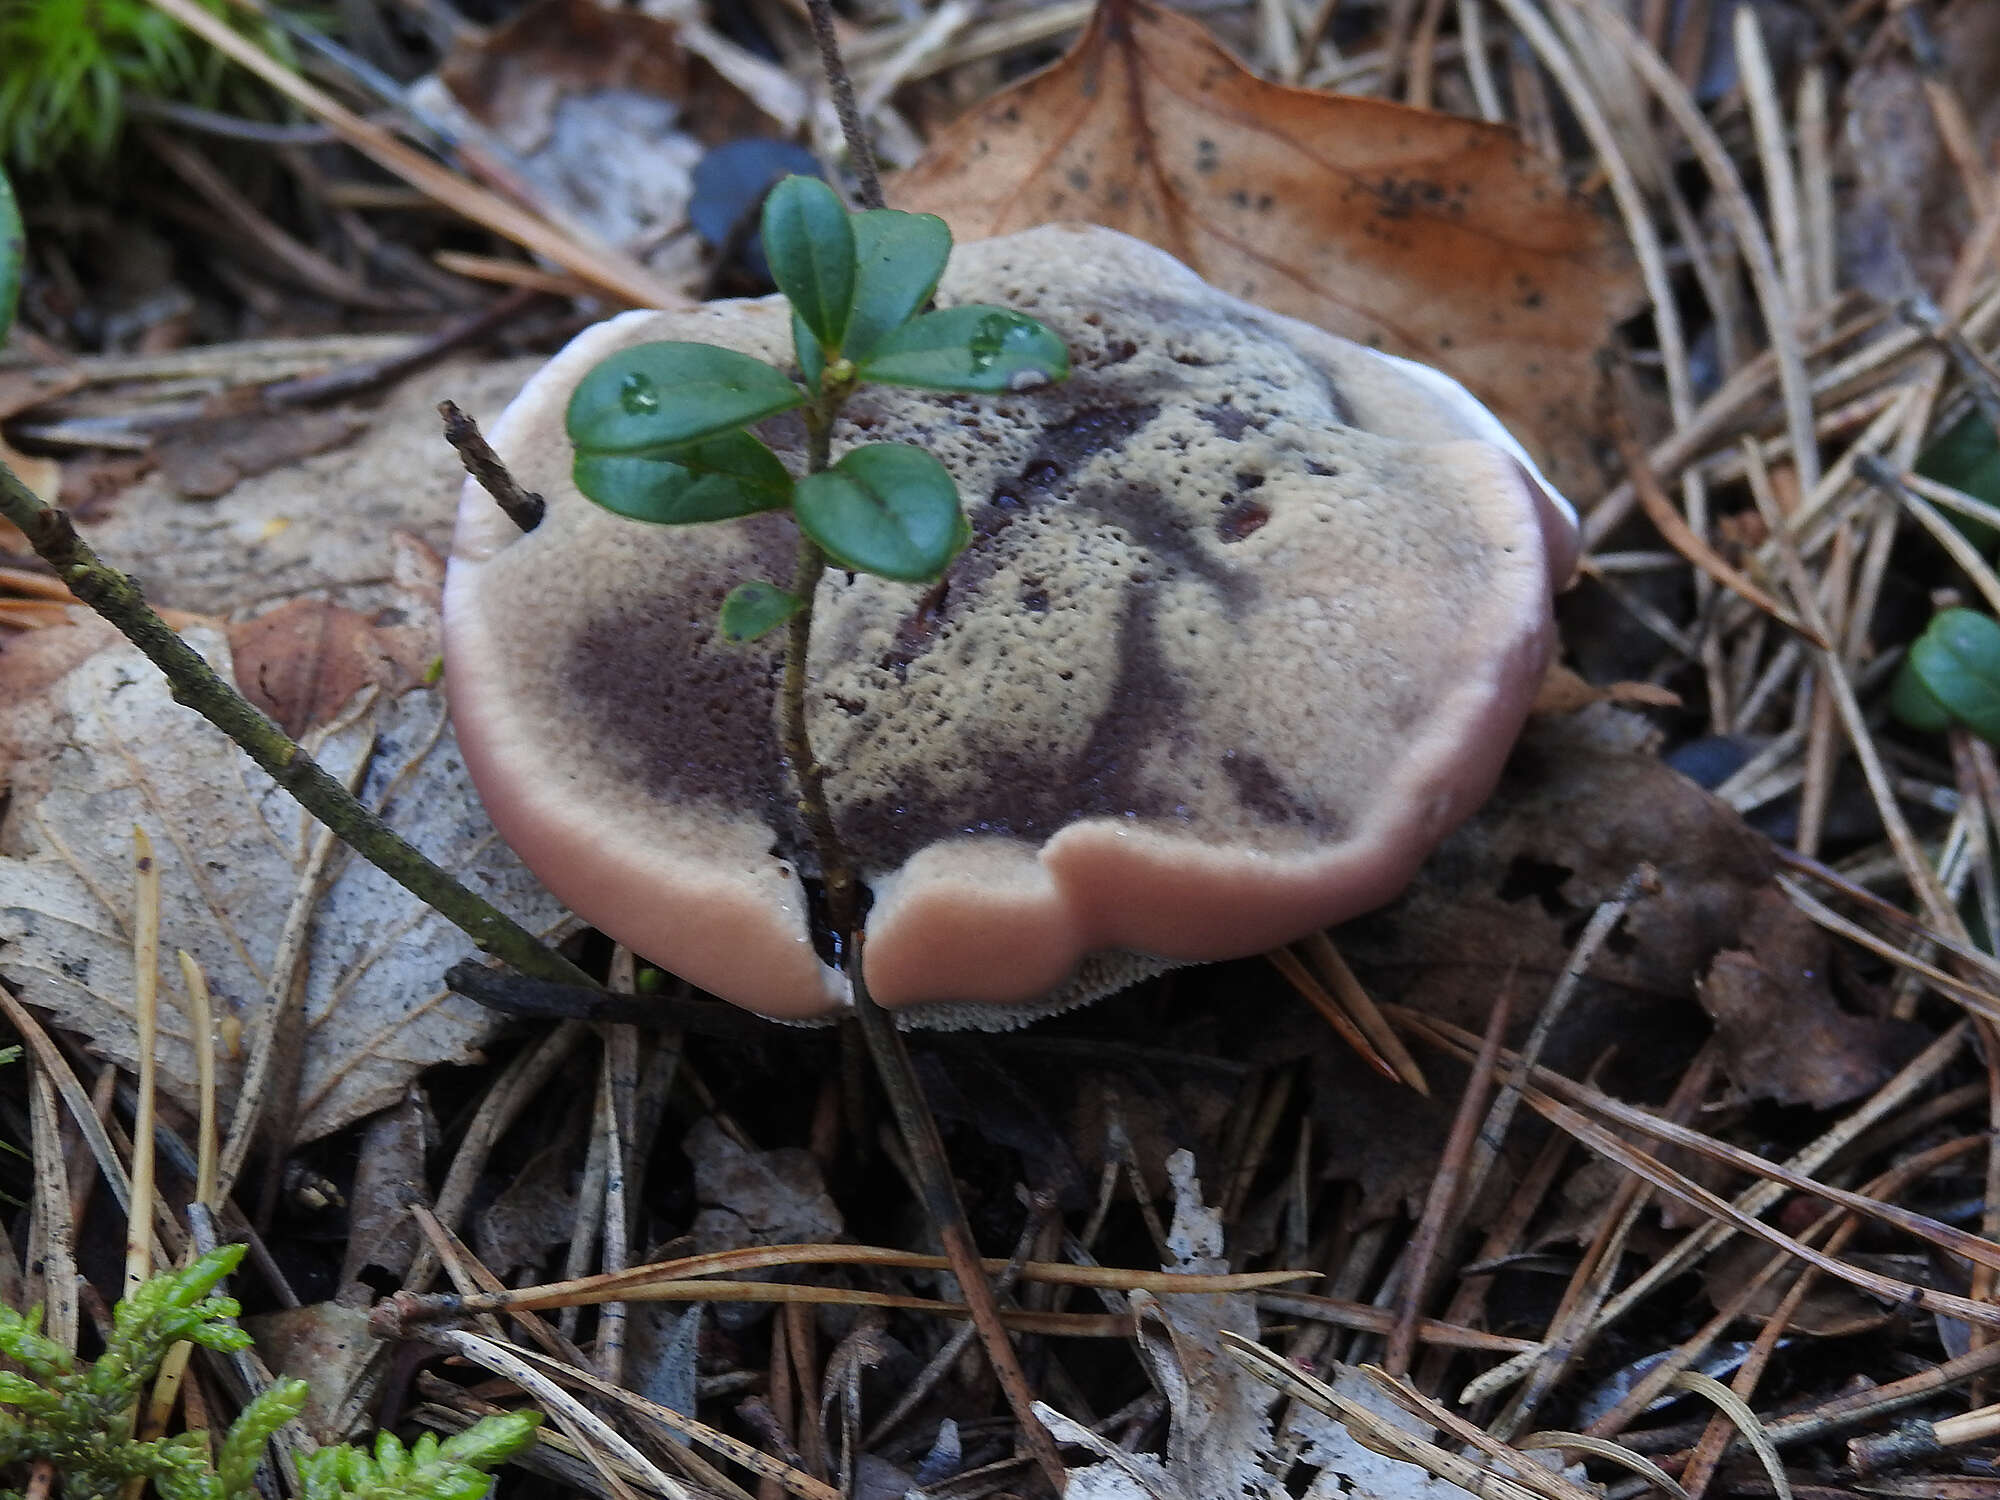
[(305, 660), (1784, 1034), (382, 1237), (327, 1345), (1903, 214), (1502, 901), (1433, 237), (513, 77), (1565, 692)]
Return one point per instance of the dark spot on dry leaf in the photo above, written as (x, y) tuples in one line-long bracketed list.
[(211, 455)]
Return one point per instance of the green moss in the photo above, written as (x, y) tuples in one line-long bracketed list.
[(71, 65), (79, 1417)]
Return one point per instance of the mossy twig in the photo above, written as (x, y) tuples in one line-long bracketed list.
[(195, 684)]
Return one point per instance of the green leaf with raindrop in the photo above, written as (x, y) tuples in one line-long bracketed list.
[(969, 348), (650, 398), (885, 508), (753, 610)]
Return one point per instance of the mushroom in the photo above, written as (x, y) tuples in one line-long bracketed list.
[(1251, 618)]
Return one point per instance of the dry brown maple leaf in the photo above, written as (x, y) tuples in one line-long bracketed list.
[(1433, 237)]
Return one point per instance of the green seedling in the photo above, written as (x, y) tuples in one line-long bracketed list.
[(1951, 678), (662, 431), (80, 1418)]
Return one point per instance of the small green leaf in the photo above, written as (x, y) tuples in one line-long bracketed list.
[(716, 479), (1957, 661), (13, 254), (885, 508), (1916, 705), (1966, 457), (812, 358), (655, 396), (898, 260), (739, 455), (810, 245), (970, 348), (243, 1447), (753, 610)]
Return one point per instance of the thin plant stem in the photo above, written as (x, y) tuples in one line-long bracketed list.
[(836, 872), (914, 1121), (196, 684), (868, 182)]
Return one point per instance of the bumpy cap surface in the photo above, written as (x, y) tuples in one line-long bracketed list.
[(1251, 619)]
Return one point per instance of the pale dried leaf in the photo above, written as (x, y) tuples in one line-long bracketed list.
[(231, 846), (1347, 1470), (1220, 1437)]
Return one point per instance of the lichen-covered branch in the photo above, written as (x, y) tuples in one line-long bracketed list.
[(523, 507), (195, 684)]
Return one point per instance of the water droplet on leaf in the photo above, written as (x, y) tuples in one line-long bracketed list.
[(994, 332), (638, 395)]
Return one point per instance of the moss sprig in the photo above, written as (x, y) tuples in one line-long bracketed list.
[(79, 1418)]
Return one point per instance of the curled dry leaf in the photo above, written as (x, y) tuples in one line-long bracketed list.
[(303, 662), (1432, 237), (1784, 1034), (232, 851)]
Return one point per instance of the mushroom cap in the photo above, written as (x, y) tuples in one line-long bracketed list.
[(1251, 618)]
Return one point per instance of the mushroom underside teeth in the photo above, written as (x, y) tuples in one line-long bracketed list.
[(1209, 640)]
